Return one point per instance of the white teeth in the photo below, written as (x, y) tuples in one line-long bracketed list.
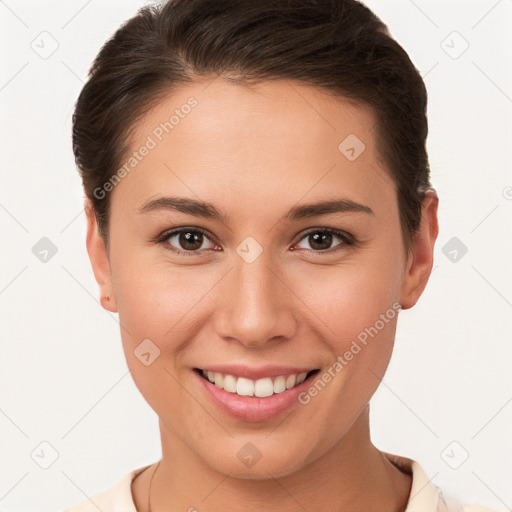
[(244, 387), (263, 387), (219, 379), (301, 377), (279, 384), (290, 381), (260, 388), (229, 383)]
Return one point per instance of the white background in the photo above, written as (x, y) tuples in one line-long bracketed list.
[(63, 376)]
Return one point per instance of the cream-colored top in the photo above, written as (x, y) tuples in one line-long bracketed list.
[(424, 496)]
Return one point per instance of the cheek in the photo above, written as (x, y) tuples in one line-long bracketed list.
[(355, 308), (159, 302), (351, 297), (150, 290), (156, 312)]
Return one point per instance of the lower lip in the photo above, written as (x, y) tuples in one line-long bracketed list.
[(251, 408)]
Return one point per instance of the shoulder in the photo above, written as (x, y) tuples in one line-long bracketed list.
[(449, 503), (118, 498), (427, 497)]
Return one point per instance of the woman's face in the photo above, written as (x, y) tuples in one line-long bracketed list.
[(262, 285)]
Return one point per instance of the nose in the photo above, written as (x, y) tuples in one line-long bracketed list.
[(255, 304)]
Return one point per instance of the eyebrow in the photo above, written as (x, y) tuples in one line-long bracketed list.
[(209, 211)]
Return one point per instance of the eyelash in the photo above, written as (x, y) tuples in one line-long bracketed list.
[(348, 241)]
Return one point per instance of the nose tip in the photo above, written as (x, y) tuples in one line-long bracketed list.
[(255, 307)]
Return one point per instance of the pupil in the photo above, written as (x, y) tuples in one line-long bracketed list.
[(190, 238), (319, 239)]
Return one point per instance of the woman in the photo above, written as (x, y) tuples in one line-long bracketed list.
[(259, 210)]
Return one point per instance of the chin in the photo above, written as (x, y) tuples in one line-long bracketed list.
[(257, 458)]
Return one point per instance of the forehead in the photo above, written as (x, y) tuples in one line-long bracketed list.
[(288, 109), (275, 140)]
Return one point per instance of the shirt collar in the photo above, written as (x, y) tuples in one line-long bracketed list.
[(424, 495)]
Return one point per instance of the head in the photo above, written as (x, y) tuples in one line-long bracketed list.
[(257, 110)]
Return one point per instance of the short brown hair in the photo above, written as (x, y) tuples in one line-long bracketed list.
[(340, 46)]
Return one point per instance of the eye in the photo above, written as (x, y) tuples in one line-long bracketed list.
[(321, 239), (190, 241), (186, 241)]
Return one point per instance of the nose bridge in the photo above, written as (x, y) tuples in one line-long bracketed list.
[(255, 306)]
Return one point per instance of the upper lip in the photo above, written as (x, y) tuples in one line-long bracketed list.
[(255, 373)]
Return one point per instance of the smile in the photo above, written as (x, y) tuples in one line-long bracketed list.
[(261, 388)]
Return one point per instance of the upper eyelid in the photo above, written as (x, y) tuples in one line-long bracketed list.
[(166, 235), (337, 232)]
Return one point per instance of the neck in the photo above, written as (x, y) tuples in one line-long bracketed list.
[(352, 475)]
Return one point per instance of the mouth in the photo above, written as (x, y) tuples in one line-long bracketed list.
[(260, 388)]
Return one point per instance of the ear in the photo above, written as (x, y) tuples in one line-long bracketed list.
[(421, 258), (99, 259)]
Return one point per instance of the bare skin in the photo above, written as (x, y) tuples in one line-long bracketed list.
[(254, 153)]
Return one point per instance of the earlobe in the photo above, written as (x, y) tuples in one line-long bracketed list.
[(420, 262), (99, 259)]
